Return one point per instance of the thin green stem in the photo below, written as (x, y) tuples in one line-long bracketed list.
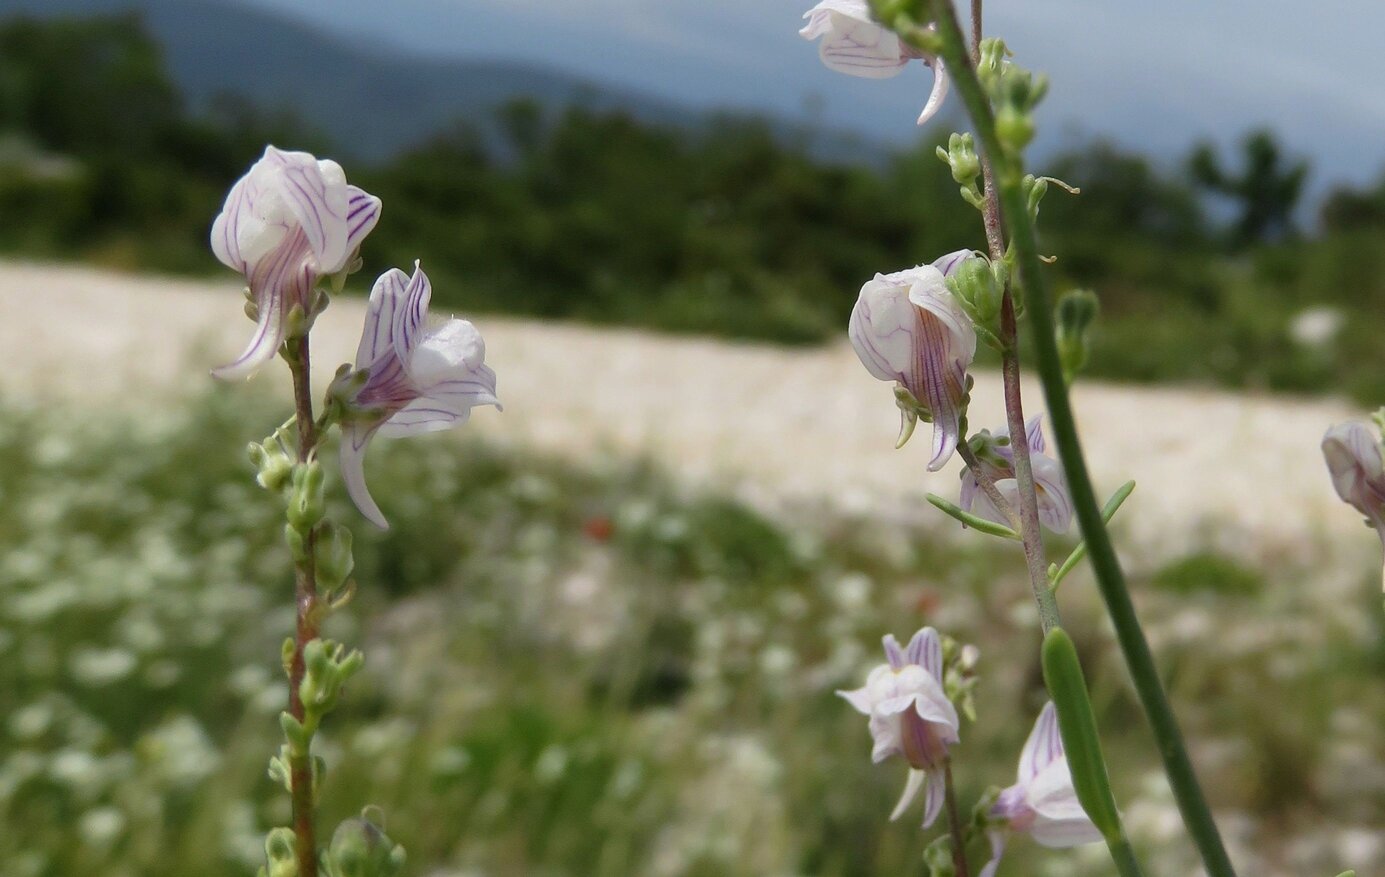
[(308, 616), (986, 484), (1197, 815), (1124, 857), (954, 822)]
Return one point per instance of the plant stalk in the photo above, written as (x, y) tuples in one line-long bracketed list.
[(954, 822), (1192, 804), (305, 601)]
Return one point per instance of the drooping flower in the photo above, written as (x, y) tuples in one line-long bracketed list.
[(997, 462), (911, 716), (408, 379), (853, 42), (1042, 803), (1357, 468), (908, 327), (290, 221)]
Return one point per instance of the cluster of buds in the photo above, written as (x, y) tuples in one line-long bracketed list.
[(1014, 92)]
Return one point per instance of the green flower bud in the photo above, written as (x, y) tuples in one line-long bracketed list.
[(1076, 311), (278, 848), (273, 466), (332, 556), (961, 157), (938, 858), (306, 502), (360, 848), (1015, 127)]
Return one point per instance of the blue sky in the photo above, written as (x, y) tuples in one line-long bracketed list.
[(1155, 76)]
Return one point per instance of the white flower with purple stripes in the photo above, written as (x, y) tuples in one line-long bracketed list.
[(290, 221), (1357, 468), (408, 379), (909, 327), (998, 463), (1042, 803), (911, 716), (853, 42)]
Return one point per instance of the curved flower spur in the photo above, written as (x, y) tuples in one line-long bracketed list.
[(408, 379), (853, 42), (289, 222)]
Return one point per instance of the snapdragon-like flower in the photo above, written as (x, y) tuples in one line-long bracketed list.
[(911, 716), (909, 327), (853, 42), (290, 221), (1357, 468), (1042, 803), (997, 459), (408, 379)]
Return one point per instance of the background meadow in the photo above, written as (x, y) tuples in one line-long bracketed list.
[(591, 664)]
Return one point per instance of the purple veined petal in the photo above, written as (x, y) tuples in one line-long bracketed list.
[(966, 496), (315, 191), (1051, 492), (477, 388), (355, 438), (820, 17), (386, 297), (911, 789), (997, 838), (949, 263), (264, 343), (421, 416), (1043, 747), (883, 329), (884, 732), (362, 215), (1059, 820), (934, 707), (859, 698), (933, 797), (926, 650), (939, 92), (939, 384), (225, 236), (893, 653), (1353, 458), (410, 318), (1034, 434), (861, 48)]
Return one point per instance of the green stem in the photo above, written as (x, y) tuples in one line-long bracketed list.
[(1197, 816), (1124, 856), (954, 823), (305, 602)]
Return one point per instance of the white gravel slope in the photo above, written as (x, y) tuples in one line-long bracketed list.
[(1241, 472)]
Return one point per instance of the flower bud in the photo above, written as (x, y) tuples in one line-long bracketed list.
[(1014, 126), (961, 157), (278, 848), (273, 465), (360, 849), (979, 291), (332, 556), (1076, 311), (306, 502)]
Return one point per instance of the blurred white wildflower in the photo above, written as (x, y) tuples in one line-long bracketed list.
[(97, 667), (101, 827), (1316, 326)]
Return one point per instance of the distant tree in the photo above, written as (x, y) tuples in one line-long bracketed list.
[(1348, 208), (1268, 188)]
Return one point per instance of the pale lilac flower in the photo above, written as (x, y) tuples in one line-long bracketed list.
[(1042, 803), (911, 716), (908, 327), (1358, 471), (290, 221), (416, 379), (855, 44), (997, 462)]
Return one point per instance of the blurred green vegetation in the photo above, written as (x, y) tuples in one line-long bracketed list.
[(590, 671), (728, 227)]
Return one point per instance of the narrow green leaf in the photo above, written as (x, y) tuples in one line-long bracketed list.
[(1108, 512), (971, 520)]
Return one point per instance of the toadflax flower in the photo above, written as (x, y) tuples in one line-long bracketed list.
[(1358, 470), (909, 327), (911, 716), (290, 221), (853, 42), (997, 462), (408, 379), (1042, 802)]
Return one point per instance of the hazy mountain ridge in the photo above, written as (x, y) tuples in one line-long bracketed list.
[(371, 101)]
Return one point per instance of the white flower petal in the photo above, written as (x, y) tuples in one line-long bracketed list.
[(315, 191), (386, 297), (859, 698), (264, 343), (926, 650), (938, 94), (412, 314), (997, 838), (911, 789), (933, 797), (355, 438), (422, 416), (1043, 747)]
